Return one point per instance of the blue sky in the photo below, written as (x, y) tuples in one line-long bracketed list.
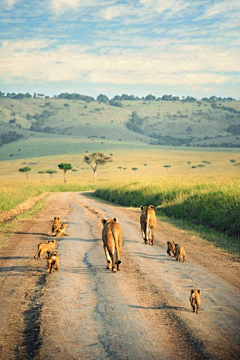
[(178, 47)]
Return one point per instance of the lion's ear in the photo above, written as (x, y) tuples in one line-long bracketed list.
[(103, 221), (115, 219), (192, 291), (151, 206), (141, 207), (199, 291)]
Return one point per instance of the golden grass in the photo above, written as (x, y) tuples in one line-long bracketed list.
[(172, 189), (149, 162), (218, 172)]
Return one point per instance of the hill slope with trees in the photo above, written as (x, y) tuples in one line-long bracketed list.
[(171, 121)]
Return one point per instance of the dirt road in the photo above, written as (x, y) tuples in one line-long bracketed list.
[(84, 311)]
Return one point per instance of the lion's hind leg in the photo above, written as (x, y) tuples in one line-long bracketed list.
[(108, 257), (151, 236), (114, 266), (194, 306), (49, 268), (57, 265)]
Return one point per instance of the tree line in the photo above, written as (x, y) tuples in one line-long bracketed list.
[(115, 101)]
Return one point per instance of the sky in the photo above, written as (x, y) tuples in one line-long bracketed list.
[(139, 47)]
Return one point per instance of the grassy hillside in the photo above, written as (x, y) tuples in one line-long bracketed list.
[(39, 127)]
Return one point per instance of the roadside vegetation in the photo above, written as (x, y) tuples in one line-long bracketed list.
[(212, 209)]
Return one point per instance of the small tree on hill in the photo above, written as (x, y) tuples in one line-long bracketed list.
[(167, 166), (65, 168), (102, 98), (95, 160), (51, 172), (41, 172), (25, 169)]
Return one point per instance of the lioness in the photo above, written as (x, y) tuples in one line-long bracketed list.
[(171, 248), (53, 261), (112, 242), (43, 248), (195, 300), (61, 231), (148, 224), (180, 253), (56, 224)]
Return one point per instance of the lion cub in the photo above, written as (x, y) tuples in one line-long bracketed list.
[(56, 224), (171, 248), (53, 261), (61, 231), (180, 253), (195, 300), (43, 248)]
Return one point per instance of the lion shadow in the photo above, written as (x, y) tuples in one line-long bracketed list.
[(67, 238), (84, 270), (14, 257), (163, 307), (31, 233), (154, 257), (17, 270)]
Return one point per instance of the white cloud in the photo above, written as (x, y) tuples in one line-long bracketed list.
[(10, 3), (183, 65), (60, 6), (166, 45), (112, 12), (11, 47), (145, 11), (161, 6), (223, 8)]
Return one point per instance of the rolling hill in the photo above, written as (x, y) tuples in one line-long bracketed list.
[(38, 127)]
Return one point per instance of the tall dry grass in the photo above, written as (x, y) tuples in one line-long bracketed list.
[(214, 205)]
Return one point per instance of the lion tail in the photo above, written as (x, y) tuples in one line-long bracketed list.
[(118, 260), (147, 226)]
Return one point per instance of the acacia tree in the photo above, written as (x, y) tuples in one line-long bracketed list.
[(95, 160), (134, 169), (51, 172), (25, 169), (41, 172), (65, 168), (167, 166)]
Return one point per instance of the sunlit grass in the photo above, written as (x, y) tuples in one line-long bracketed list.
[(205, 197), (214, 205)]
